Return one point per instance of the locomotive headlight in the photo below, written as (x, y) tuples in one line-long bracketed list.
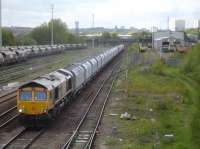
[(20, 110)]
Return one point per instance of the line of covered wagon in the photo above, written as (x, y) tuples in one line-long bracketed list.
[(10, 55)]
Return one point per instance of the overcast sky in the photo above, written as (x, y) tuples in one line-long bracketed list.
[(108, 13)]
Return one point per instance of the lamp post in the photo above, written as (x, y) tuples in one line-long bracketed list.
[(52, 34), (93, 38)]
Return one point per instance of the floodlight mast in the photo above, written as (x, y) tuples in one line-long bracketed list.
[(52, 25), (93, 27)]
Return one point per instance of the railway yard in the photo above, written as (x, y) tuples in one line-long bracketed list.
[(35, 67), (133, 102), (152, 105), (81, 125), (99, 74)]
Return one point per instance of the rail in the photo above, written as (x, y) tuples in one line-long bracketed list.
[(8, 96), (23, 135), (70, 142), (7, 116)]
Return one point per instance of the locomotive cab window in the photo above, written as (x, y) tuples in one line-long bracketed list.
[(25, 95), (56, 95), (40, 95), (70, 83)]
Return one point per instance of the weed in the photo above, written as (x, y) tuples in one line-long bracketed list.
[(158, 68), (110, 141)]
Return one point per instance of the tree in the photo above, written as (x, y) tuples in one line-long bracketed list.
[(42, 34), (26, 40), (7, 38), (142, 36), (61, 33), (114, 36), (106, 36)]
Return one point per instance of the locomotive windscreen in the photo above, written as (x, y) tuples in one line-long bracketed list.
[(25, 95), (40, 95)]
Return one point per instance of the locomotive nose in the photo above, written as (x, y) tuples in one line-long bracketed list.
[(33, 108)]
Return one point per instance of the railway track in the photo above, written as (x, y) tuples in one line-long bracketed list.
[(84, 135), (18, 71), (9, 96), (24, 139), (23, 70), (27, 137), (8, 116)]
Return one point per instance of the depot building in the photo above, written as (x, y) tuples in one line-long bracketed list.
[(175, 37)]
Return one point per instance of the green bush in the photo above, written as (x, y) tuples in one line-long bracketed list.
[(8, 38), (191, 63), (42, 33), (195, 129), (26, 40), (164, 105), (158, 68), (133, 47), (191, 68), (110, 141)]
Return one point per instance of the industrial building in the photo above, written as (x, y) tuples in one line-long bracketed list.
[(179, 25), (171, 36), (77, 27)]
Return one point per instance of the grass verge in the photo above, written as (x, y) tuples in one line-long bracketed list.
[(163, 103)]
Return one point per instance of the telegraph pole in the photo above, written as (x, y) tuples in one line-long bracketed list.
[(0, 25), (52, 34)]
